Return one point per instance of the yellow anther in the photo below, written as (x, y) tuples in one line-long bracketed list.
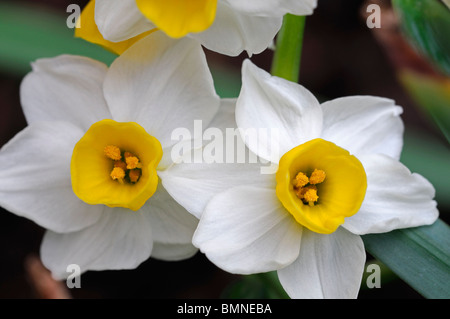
[(134, 175), (118, 174), (301, 180), (132, 162), (318, 176), (310, 196), (302, 191), (112, 152)]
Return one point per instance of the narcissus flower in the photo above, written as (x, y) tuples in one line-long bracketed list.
[(87, 166), (338, 176), (225, 26)]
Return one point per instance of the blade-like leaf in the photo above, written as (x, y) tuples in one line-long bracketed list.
[(420, 256), (429, 157), (28, 33), (426, 24)]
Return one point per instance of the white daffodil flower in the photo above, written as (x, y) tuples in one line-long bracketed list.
[(225, 26), (87, 167), (338, 177)]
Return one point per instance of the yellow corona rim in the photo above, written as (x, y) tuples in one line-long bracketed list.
[(320, 184), (115, 164), (179, 17)]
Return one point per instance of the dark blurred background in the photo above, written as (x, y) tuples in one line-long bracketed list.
[(341, 56)]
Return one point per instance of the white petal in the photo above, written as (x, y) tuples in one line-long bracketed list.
[(233, 32), (193, 184), (65, 88), (183, 149), (35, 178), (162, 84), (329, 266), (225, 116), (121, 239), (364, 125), (119, 20), (173, 252), (275, 114), (246, 230), (274, 7), (171, 223), (395, 198)]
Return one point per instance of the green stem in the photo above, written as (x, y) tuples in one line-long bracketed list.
[(286, 59), (270, 279)]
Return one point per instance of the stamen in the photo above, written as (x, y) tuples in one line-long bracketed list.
[(302, 191), (301, 180), (305, 188), (134, 175), (132, 162), (318, 176), (118, 174), (127, 170), (310, 196), (112, 152)]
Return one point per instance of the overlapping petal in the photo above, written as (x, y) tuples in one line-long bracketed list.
[(121, 239), (119, 20), (172, 227), (237, 26), (246, 230), (276, 114), (395, 198), (193, 184), (162, 84), (328, 266), (234, 32), (364, 125), (35, 178), (171, 223), (65, 88)]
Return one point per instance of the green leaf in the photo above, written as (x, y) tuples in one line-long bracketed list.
[(28, 33), (426, 23), (258, 286), (420, 256), (429, 157)]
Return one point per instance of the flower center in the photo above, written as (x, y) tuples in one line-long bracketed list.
[(306, 188), (126, 167), (115, 164), (320, 184)]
